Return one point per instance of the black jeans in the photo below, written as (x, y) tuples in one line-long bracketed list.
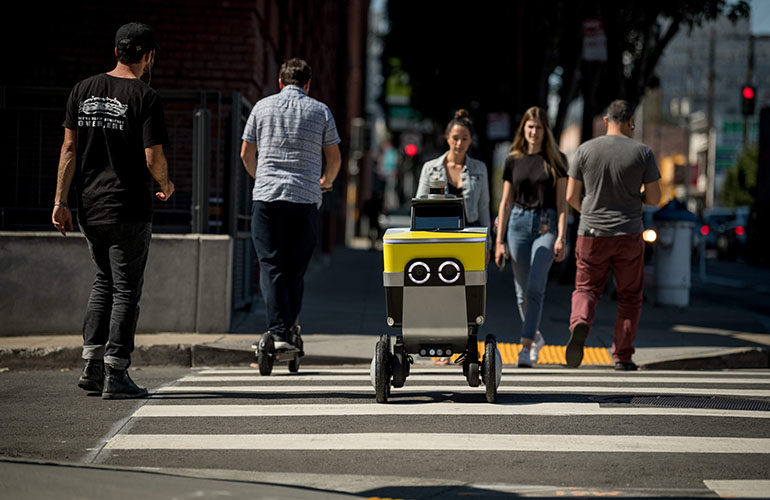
[(284, 236), (120, 254)]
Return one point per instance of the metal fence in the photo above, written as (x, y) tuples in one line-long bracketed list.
[(212, 188)]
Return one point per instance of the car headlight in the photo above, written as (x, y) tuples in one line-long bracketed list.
[(649, 235)]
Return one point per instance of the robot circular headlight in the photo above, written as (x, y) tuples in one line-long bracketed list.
[(419, 272), (449, 271)]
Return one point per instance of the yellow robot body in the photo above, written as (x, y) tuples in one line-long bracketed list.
[(435, 280)]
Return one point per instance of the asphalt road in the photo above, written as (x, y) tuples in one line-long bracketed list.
[(555, 432)]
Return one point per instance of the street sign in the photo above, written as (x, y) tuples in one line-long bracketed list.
[(594, 40)]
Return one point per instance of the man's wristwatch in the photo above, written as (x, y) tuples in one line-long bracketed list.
[(62, 204)]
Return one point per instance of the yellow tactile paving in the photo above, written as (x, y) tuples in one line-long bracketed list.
[(550, 354)]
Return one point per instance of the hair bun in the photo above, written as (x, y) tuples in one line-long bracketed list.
[(462, 113)]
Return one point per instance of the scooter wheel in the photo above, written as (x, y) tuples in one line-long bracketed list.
[(294, 365), (489, 367), (265, 354), (382, 371)]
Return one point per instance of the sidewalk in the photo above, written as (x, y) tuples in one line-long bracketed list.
[(344, 313)]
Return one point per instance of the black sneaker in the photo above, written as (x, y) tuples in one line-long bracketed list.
[(577, 340), (118, 385), (626, 366), (92, 378), (255, 344)]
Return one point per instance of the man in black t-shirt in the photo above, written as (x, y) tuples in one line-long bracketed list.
[(114, 132)]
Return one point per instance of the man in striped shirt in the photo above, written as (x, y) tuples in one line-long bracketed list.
[(286, 139)]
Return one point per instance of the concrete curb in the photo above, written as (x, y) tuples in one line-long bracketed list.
[(199, 355), (190, 355), (753, 357)]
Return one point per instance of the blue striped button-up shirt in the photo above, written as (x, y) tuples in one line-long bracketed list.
[(290, 129)]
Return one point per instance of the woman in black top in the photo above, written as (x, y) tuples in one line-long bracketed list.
[(533, 210)]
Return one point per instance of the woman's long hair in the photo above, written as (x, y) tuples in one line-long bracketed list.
[(554, 163)]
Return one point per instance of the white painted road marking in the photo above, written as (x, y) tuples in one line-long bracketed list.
[(422, 389), (329, 410), (442, 441), (455, 377), (454, 369), (743, 488)]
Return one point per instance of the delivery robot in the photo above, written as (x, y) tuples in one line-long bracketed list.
[(435, 291)]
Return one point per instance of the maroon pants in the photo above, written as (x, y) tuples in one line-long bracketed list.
[(595, 256)]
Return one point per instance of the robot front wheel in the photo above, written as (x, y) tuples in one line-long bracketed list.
[(491, 368), (381, 369)]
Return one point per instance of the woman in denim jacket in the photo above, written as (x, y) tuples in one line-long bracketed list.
[(533, 208), (463, 176)]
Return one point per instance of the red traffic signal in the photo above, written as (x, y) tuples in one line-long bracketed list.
[(410, 149), (748, 99)]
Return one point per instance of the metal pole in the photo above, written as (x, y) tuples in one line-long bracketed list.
[(200, 164), (749, 78), (710, 167), (232, 194)]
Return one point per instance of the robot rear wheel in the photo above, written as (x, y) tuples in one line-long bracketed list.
[(489, 370)]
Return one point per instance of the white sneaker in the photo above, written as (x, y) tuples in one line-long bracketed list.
[(280, 343), (534, 353), (524, 355)]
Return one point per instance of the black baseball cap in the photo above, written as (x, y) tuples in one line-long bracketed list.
[(136, 37)]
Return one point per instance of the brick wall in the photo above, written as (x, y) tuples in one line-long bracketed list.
[(226, 46)]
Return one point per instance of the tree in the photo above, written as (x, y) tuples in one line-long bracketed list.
[(637, 32), (741, 180), (498, 56)]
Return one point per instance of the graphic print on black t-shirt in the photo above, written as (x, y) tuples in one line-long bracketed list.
[(102, 112), (115, 119)]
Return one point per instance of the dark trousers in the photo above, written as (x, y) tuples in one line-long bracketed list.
[(284, 236), (119, 252), (625, 255)]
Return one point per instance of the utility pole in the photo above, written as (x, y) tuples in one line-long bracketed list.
[(749, 81), (711, 166)]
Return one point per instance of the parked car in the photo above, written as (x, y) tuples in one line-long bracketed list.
[(731, 240), (713, 219)]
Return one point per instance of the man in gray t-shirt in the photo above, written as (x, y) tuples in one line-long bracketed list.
[(619, 176)]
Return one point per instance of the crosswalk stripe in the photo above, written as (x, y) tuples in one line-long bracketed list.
[(341, 372), (442, 441), (456, 388), (739, 488), (328, 410), (454, 377)]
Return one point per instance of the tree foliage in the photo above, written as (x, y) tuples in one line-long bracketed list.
[(494, 56), (741, 181), (638, 31)]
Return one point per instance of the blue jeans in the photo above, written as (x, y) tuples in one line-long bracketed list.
[(531, 237), (119, 252), (284, 236)]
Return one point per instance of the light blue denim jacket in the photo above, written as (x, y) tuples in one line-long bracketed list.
[(475, 187)]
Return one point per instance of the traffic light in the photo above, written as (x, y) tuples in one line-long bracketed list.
[(748, 100)]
